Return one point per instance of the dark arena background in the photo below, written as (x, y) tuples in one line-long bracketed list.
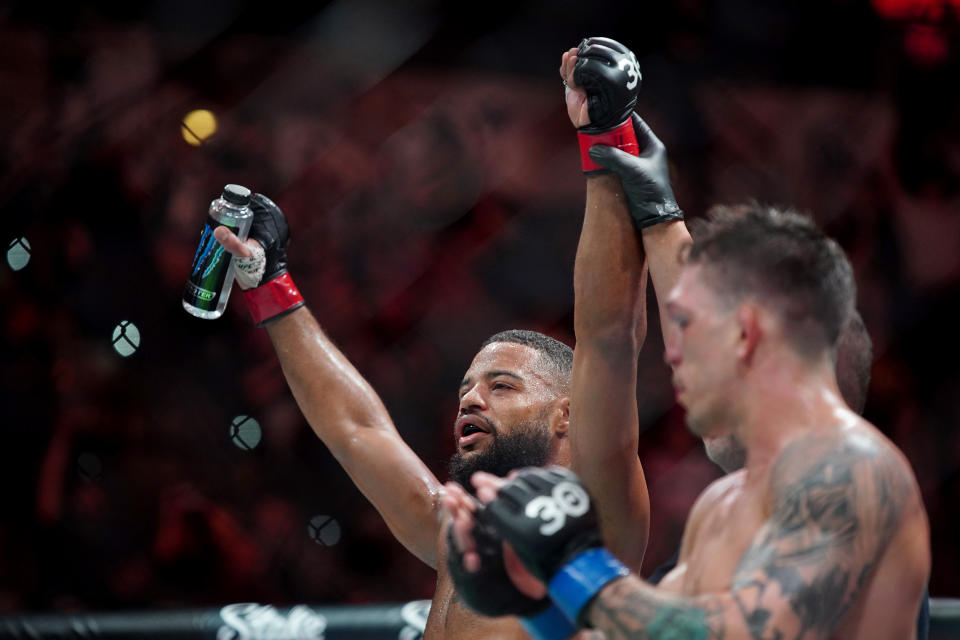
[(153, 462)]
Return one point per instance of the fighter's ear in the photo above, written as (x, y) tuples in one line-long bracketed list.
[(749, 321), (560, 417)]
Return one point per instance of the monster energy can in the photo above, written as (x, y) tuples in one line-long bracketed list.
[(211, 274)]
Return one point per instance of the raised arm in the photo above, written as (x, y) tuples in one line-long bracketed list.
[(341, 407), (346, 413), (609, 284), (663, 244), (653, 207)]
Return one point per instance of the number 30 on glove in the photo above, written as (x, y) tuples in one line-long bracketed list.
[(547, 516)]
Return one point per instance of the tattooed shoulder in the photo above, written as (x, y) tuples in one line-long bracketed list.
[(836, 502), (839, 483)]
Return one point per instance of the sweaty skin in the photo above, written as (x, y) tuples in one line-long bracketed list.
[(504, 384), (823, 533), (610, 277), (800, 570), (733, 509), (351, 420), (610, 322)]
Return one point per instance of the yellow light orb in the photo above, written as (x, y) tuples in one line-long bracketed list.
[(197, 126)]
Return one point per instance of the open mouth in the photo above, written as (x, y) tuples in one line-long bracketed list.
[(469, 430), (471, 435)]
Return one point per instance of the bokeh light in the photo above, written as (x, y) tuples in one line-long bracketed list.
[(324, 530), (18, 253), (197, 126), (126, 338), (245, 432)]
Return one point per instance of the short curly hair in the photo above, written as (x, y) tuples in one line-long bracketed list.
[(557, 356)]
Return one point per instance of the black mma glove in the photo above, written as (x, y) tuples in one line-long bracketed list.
[(645, 178), (547, 516), (609, 74), (273, 294), (489, 591)]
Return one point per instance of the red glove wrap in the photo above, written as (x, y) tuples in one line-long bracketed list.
[(271, 299), (623, 137)]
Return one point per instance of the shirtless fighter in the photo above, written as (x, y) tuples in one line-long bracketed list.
[(853, 359), (647, 188), (518, 398), (822, 535)]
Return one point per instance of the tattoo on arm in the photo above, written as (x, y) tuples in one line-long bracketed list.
[(835, 506), (629, 608)]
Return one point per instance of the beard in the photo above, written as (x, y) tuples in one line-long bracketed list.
[(528, 445)]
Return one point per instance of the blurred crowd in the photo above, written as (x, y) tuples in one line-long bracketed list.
[(434, 199)]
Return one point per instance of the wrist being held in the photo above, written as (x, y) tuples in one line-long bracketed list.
[(484, 583), (645, 177), (548, 518), (487, 589)]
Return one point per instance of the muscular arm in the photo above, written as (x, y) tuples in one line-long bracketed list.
[(663, 244), (346, 413), (834, 509), (610, 324)]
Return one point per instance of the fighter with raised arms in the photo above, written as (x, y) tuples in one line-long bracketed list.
[(514, 401), (823, 534)]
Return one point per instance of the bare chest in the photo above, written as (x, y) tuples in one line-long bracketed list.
[(450, 619), (723, 537)]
